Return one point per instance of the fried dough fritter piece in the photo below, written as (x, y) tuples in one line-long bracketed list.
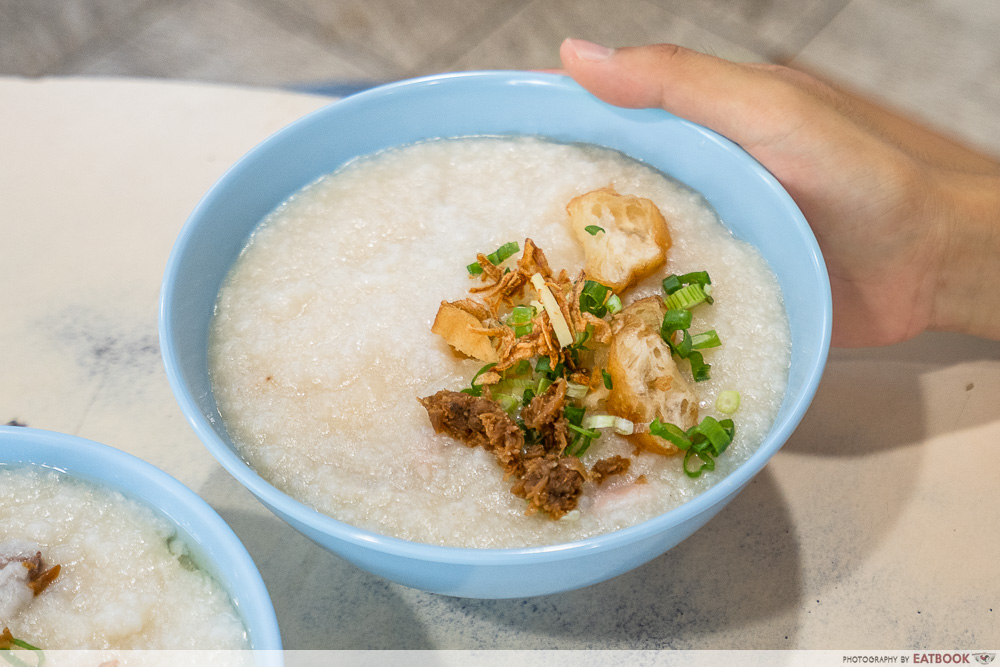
[(634, 242), (646, 383)]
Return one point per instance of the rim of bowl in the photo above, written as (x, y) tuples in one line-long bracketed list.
[(103, 465), (282, 503)]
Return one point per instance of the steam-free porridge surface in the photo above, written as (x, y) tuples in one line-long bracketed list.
[(321, 341), (126, 580)]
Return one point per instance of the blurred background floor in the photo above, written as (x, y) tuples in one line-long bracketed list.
[(936, 60)]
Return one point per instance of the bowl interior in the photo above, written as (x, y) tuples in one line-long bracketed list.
[(212, 543), (748, 199)]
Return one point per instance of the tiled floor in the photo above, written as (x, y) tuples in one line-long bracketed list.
[(936, 59)]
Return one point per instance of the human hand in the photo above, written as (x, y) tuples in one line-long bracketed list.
[(908, 222)]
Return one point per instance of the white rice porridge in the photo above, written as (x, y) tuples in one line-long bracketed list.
[(126, 580), (321, 342)]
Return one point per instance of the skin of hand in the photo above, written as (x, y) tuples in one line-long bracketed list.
[(908, 221)]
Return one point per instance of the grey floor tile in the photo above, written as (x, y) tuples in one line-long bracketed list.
[(410, 34), (936, 59), (530, 40), (222, 40), (776, 28), (36, 35)]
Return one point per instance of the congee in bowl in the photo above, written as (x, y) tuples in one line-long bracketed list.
[(487, 336), (86, 565), (324, 340)]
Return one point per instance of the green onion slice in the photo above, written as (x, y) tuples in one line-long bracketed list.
[(705, 340), (520, 316), (574, 414), (587, 433), (699, 369), (592, 298), (687, 297), (714, 434), (674, 320), (593, 229), (476, 389), (683, 348), (509, 403), (496, 257), (614, 304), (707, 463), (520, 369), (607, 379), (728, 401), (671, 433), (671, 284)]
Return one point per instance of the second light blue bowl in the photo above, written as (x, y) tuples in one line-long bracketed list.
[(748, 199), (213, 544)]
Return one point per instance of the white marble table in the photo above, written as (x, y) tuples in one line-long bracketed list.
[(876, 527)]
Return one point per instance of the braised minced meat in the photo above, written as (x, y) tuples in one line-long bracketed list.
[(550, 482), (545, 414), (613, 465), (477, 422)]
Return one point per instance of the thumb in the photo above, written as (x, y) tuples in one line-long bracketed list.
[(707, 90)]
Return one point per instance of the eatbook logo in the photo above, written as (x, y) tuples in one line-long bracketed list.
[(984, 658)]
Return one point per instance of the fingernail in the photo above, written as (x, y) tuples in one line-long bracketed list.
[(589, 51)]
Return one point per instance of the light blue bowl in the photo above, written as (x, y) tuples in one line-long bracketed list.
[(747, 197), (213, 544)]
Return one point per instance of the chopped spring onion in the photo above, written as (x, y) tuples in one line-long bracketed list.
[(592, 298), (619, 424), (607, 379), (509, 403), (624, 426), (587, 433), (477, 389), (671, 433), (501, 254), (717, 436), (520, 316), (706, 440), (671, 284), (574, 414), (523, 330), (593, 229), (696, 277), (600, 421), (574, 390), (520, 369), (674, 320), (8, 642), (705, 340), (728, 401), (683, 348), (707, 463), (687, 297), (700, 370), (559, 325), (544, 367), (513, 386), (614, 304), (674, 282)]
